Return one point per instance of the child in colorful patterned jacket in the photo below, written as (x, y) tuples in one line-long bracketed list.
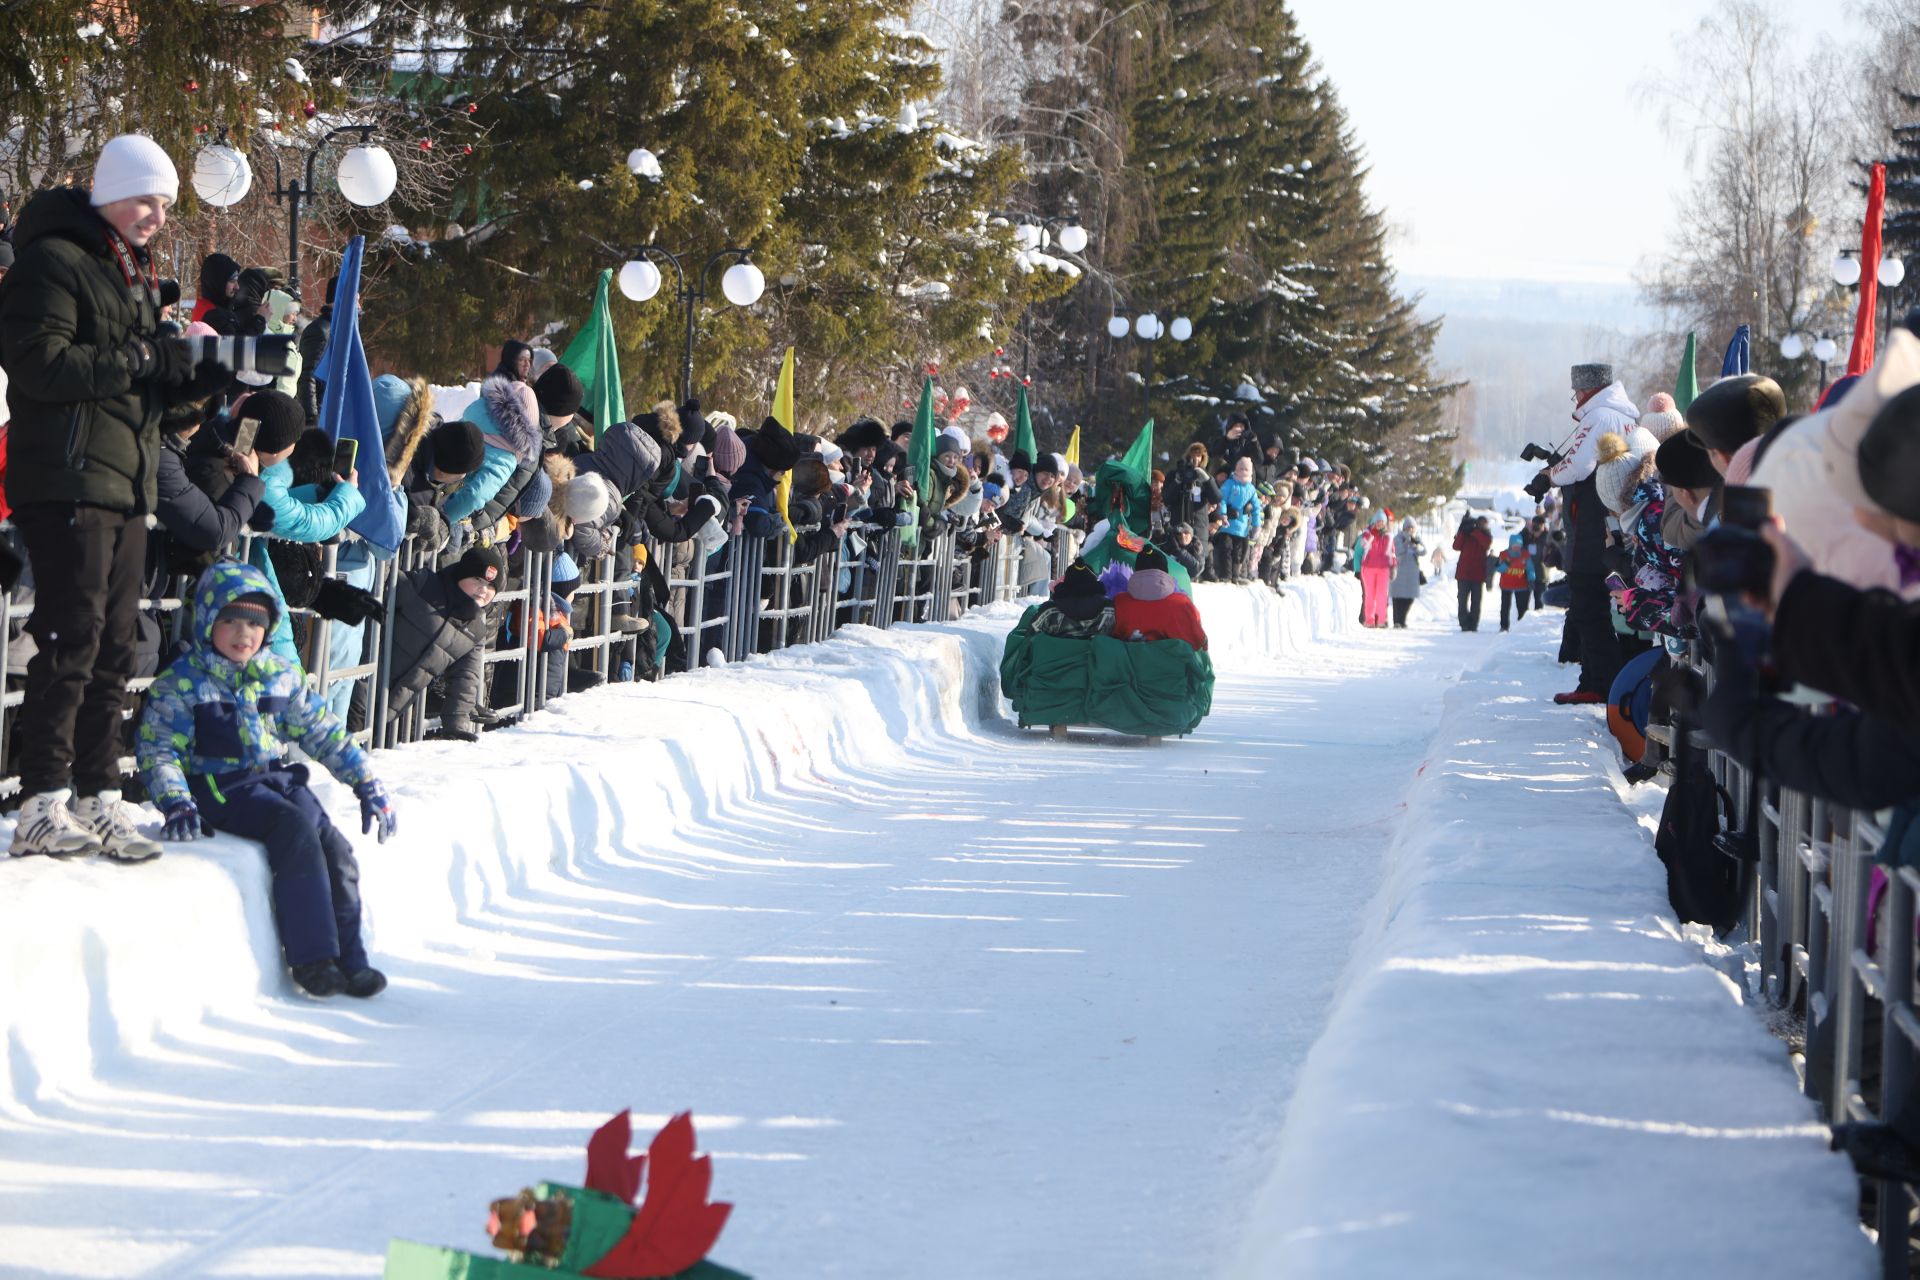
[(212, 752)]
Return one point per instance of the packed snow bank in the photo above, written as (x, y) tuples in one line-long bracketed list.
[(100, 963), (1528, 1071)]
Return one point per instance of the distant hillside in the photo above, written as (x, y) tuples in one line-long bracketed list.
[(1513, 341)]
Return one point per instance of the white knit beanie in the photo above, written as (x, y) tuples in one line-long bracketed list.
[(133, 165), (585, 497)]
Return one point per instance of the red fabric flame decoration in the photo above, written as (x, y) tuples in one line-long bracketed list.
[(675, 1227), (1860, 359), (609, 1168)]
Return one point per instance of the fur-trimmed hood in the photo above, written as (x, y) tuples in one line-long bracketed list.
[(507, 412), (409, 429)]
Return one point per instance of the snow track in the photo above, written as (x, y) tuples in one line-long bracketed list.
[(946, 998)]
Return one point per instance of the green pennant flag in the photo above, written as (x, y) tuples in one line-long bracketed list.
[(1023, 441), (595, 360), (920, 445), (1127, 479), (1687, 385)]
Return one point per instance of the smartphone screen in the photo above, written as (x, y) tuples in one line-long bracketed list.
[(243, 434), (702, 467), (838, 513), (344, 453)]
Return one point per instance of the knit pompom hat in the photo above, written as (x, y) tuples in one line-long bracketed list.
[(729, 451), (1624, 461), (1661, 423)]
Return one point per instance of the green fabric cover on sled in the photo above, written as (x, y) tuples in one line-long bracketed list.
[(1151, 688), (599, 1221)]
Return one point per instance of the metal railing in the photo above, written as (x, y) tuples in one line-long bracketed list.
[(741, 596), (1835, 957)]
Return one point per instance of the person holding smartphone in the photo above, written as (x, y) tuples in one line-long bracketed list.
[(198, 527)]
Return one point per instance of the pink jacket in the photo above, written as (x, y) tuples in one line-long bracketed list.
[(1379, 550)]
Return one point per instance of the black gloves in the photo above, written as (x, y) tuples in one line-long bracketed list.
[(261, 521), (342, 602), (153, 360)]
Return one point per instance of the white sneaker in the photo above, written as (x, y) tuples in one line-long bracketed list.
[(110, 822), (45, 825)]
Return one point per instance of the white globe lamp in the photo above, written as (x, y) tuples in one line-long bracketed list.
[(1182, 329), (1117, 327), (1892, 272), (1825, 350), (1073, 238), (743, 284), (367, 176), (1147, 326), (639, 280), (1846, 271), (221, 175), (1793, 346)]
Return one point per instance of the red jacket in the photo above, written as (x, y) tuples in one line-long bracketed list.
[(1171, 618), (1473, 547)]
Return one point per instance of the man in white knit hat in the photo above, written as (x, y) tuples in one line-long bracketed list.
[(88, 378)]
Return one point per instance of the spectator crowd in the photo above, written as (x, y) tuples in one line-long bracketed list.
[(185, 552)]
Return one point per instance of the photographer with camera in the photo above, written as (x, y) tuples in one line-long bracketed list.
[(90, 376), (1600, 406)]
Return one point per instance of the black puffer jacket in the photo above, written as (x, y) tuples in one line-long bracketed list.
[(438, 630), (193, 519), (83, 430)]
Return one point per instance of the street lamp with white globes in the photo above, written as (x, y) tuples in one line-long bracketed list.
[(1150, 328), (366, 176), (1846, 269), (1823, 349), (221, 174), (741, 284)]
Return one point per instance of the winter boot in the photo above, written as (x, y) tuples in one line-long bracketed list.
[(46, 825), (320, 979), (368, 982), (110, 822)]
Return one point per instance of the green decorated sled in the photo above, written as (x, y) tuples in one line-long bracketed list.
[(553, 1231), (1149, 688)]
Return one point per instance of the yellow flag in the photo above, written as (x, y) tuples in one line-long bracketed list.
[(1072, 454), (783, 411)]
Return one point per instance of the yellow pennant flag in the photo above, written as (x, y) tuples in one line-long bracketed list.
[(1072, 455), (783, 411)]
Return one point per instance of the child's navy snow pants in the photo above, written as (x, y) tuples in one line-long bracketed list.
[(316, 882)]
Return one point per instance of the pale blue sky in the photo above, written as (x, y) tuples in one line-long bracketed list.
[(1514, 138)]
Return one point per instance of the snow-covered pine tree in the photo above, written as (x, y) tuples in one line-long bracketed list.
[(1902, 227), (1226, 185), (785, 129)]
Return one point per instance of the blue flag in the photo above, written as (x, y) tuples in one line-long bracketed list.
[(347, 411), (1739, 357)]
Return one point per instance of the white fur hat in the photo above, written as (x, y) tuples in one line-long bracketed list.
[(133, 165)]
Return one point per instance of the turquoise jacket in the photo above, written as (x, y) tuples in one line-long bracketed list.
[(299, 515), (207, 716)]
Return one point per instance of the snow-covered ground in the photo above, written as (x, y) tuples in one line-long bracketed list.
[(946, 999)]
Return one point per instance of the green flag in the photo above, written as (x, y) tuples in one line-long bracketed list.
[(1023, 441), (920, 445), (1687, 385), (595, 360)]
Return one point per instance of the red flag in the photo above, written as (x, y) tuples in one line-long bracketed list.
[(1860, 359)]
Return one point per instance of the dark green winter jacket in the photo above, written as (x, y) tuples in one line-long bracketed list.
[(1153, 688), (83, 430)]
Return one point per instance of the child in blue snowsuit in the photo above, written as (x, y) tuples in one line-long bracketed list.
[(212, 751)]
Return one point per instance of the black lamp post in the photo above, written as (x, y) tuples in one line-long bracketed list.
[(742, 284), (367, 177)]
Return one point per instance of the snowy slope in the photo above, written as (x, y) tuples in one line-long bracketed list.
[(946, 998), (1528, 1071)]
